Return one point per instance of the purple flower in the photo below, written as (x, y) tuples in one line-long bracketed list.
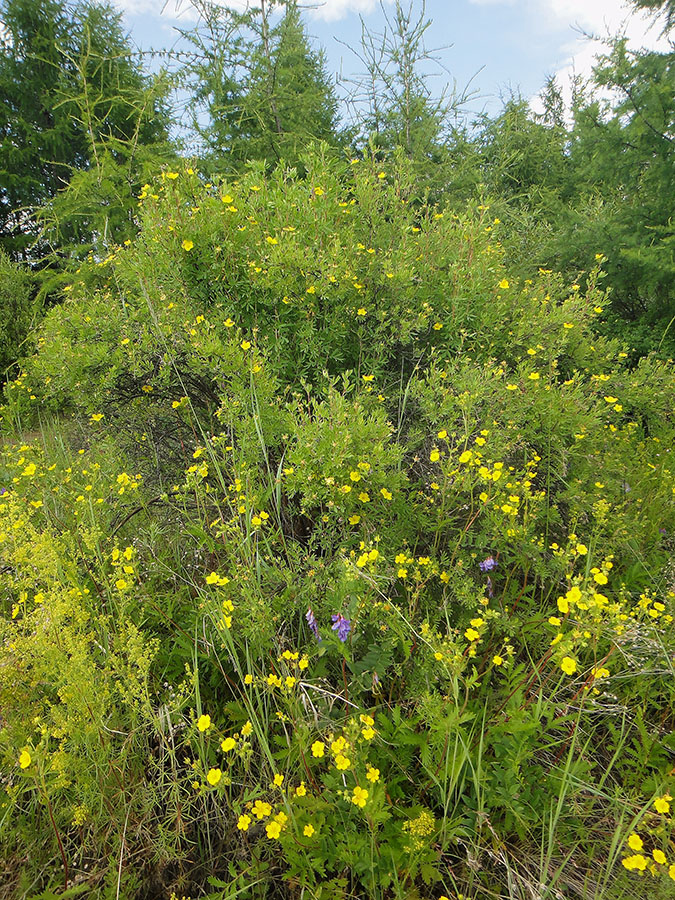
[(488, 564), (490, 589), (311, 621), (342, 626)]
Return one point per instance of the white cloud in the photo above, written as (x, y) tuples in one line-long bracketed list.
[(332, 10), (329, 10), (589, 22), (600, 19)]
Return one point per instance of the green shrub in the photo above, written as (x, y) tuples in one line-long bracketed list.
[(399, 573)]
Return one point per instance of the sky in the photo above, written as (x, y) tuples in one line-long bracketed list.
[(490, 47)]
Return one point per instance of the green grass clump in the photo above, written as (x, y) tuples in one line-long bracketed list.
[(337, 563)]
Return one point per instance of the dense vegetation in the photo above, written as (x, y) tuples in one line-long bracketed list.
[(337, 503)]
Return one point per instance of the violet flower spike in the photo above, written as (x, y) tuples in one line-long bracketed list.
[(487, 565), (311, 621), (342, 626)]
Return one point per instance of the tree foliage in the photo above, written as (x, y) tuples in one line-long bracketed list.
[(75, 101), (263, 89)]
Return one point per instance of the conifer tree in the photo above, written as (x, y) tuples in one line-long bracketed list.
[(71, 92), (263, 87)]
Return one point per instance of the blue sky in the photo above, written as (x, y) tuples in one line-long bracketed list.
[(497, 45)]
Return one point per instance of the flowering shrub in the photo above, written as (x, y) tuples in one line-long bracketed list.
[(343, 566)]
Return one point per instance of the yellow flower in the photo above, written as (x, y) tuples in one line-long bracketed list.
[(243, 823), (638, 862), (373, 774), (466, 456), (318, 748), (204, 722), (568, 665), (342, 762), (386, 494), (635, 842), (497, 660), (364, 497), (301, 790), (187, 245), (435, 455), (308, 830), (659, 857), (600, 578), (96, 417), (504, 284), (361, 312), (229, 744), (368, 733), (273, 830), (573, 595), (246, 729), (213, 776), (359, 796), (245, 345), (24, 759), (261, 809), (662, 804), (278, 780), (471, 634)]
